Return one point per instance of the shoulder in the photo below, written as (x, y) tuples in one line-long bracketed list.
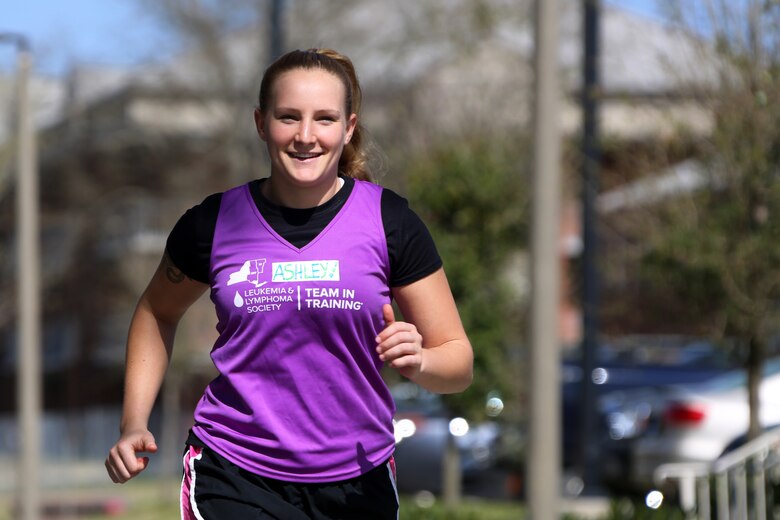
[(208, 209), (189, 243), (203, 212), (210, 204), (411, 248), (394, 206)]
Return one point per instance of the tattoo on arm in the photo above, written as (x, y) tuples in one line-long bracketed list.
[(172, 272)]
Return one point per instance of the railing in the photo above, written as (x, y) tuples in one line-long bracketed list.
[(741, 477)]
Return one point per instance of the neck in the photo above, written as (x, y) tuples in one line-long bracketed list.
[(297, 197)]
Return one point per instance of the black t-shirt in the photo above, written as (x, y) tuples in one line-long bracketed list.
[(411, 249)]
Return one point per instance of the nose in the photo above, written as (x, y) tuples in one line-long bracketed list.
[(305, 133)]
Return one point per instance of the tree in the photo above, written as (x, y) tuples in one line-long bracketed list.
[(226, 52), (720, 251), (473, 197)]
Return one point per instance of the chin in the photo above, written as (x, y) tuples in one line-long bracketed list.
[(309, 175)]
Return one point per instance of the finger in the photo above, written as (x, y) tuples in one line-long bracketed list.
[(388, 345), (116, 469), (405, 363), (388, 314), (392, 350), (404, 340), (111, 473), (399, 357), (131, 462), (143, 442), (147, 446)]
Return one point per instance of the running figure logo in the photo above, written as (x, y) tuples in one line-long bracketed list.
[(249, 272)]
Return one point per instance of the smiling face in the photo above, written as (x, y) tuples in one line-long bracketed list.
[(305, 128)]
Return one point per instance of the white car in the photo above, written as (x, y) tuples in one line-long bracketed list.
[(698, 423)]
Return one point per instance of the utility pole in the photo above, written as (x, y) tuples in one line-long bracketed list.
[(28, 374), (591, 158), (276, 30), (544, 461)]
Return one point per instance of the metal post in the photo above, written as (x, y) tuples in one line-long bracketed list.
[(740, 484), (590, 297), (544, 454), (704, 497), (452, 474), (687, 487), (276, 30), (28, 385), (757, 466), (722, 489)]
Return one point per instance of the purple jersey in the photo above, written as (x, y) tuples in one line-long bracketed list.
[(299, 395)]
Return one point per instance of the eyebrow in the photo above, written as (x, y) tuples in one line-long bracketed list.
[(326, 111)]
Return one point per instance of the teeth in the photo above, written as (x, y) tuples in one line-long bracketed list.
[(303, 155)]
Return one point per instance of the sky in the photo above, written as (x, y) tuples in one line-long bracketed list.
[(109, 32), (61, 32)]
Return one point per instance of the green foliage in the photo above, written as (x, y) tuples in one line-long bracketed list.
[(473, 199), (722, 254), (721, 251), (467, 510), (626, 509)]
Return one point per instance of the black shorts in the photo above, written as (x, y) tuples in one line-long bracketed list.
[(213, 488)]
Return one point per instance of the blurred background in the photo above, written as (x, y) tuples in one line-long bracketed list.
[(669, 239)]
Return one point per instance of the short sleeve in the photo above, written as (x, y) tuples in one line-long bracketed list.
[(411, 248), (189, 243)]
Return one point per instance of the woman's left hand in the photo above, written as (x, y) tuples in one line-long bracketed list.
[(400, 345), (430, 348)]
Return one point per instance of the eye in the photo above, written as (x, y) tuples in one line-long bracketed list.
[(286, 118)]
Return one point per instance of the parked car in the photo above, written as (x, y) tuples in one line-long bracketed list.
[(626, 416), (623, 366), (699, 423), (423, 427)]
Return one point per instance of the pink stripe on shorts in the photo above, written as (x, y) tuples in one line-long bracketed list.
[(189, 510)]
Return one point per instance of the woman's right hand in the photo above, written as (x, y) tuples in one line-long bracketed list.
[(123, 462), (149, 346)]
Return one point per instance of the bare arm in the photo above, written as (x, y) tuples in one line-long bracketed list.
[(430, 347), (149, 347)]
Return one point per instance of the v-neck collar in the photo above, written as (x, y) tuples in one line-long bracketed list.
[(299, 227)]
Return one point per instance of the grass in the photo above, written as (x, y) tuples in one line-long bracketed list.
[(150, 499), (143, 499), (150, 504), (468, 509)]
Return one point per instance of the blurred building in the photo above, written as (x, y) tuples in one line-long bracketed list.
[(124, 152)]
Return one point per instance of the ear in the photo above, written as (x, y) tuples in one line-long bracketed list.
[(260, 123), (351, 125)]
